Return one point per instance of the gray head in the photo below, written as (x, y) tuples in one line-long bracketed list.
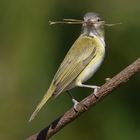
[(93, 24)]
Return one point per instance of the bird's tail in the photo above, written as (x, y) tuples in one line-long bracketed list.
[(46, 97)]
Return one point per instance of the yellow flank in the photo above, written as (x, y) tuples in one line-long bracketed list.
[(94, 64), (76, 67)]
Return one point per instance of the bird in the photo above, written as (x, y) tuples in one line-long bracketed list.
[(81, 61)]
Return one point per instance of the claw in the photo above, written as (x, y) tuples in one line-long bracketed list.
[(75, 104), (95, 92), (107, 79)]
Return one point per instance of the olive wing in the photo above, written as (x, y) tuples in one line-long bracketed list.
[(77, 58)]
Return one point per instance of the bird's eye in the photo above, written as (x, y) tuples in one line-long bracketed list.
[(98, 19)]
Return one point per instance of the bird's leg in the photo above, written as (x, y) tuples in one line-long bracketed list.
[(91, 86), (75, 102)]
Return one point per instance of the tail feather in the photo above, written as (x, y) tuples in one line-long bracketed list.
[(46, 97)]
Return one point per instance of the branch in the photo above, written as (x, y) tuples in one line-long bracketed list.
[(88, 102)]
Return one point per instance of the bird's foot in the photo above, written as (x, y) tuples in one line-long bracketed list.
[(95, 91), (75, 104)]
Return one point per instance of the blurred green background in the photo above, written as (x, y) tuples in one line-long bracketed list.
[(31, 51)]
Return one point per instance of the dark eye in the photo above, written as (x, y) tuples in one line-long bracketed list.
[(98, 19)]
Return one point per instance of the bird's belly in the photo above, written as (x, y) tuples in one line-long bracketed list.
[(88, 72), (91, 68)]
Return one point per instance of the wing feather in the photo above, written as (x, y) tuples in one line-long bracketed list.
[(74, 62)]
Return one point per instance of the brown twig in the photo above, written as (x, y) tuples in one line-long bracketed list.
[(88, 102)]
